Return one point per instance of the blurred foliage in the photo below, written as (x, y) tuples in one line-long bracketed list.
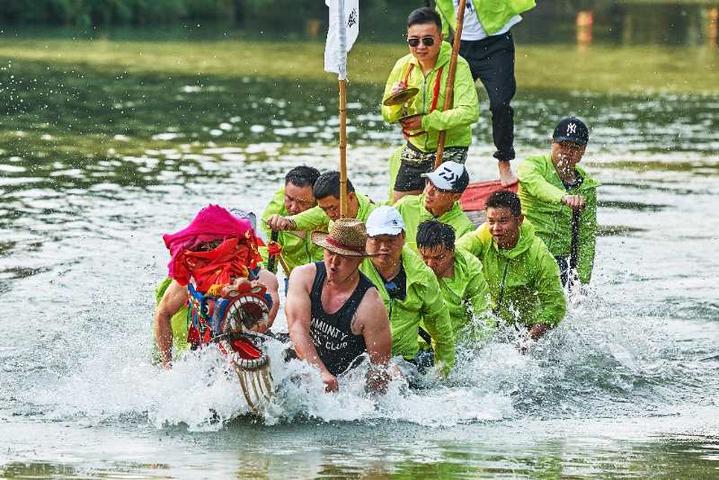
[(113, 12), (85, 13)]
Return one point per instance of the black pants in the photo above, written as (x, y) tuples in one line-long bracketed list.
[(492, 61)]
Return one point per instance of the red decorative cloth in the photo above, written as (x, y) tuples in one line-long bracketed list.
[(274, 249), (232, 258)]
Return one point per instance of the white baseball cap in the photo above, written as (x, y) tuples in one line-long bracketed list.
[(450, 176), (384, 220)]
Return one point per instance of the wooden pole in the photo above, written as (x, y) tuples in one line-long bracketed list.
[(449, 92), (343, 148)]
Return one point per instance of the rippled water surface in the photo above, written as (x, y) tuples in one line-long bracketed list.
[(94, 167)]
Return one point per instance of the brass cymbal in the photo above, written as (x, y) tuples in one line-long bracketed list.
[(401, 97), (407, 117)]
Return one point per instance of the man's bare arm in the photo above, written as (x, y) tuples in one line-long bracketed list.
[(373, 322), (269, 281), (174, 298), (298, 310)]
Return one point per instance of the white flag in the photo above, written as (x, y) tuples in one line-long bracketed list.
[(343, 31)]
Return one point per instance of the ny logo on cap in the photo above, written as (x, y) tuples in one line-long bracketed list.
[(571, 128)]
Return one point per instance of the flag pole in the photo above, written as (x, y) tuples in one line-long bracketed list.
[(342, 75), (342, 33), (343, 147), (449, 92)]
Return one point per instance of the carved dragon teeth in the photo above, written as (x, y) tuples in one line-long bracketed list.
[(240, 320)]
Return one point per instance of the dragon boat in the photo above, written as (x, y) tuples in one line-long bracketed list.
[(475, 196)]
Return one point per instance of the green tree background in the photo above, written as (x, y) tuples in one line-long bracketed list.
[(85, 13)]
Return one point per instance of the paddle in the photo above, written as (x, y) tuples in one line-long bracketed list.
[(272, 261), (449, 94), (574, 246)]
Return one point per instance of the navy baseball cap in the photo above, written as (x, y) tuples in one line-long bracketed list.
[(571, 129)]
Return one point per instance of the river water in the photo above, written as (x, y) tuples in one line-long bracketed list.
[(626, 387)]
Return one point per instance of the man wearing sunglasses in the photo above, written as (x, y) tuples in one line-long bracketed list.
[(295, 197), (409, 290), (552, 187), (426, 68), (488, 47), (438, 201)]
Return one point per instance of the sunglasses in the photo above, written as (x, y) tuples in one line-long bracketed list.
[(426, 41)]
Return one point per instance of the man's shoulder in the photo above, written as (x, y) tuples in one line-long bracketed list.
[(539, 255), (402, 61), (303, 273), (535, 162), (371, 297), (473, 239), (466, 262), (456, 214), (408, 201), (482, 233)]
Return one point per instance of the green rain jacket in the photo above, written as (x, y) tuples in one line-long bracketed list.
[(493, 14), (297, 247), (466, 293), (178, 322), (423, 304), (523, 281), (411, 207), (457, 121), (541, 192), (316, 219)]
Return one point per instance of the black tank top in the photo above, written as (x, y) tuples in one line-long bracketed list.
[(332, 334)]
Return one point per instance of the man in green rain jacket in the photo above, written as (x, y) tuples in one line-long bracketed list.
[(459, 273), (426, 68), (552, 187), (408, 288), (320, 218), (295, 197), (488, 47), (522, 275), (438, 201)]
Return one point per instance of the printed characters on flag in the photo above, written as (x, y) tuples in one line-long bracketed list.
[(342, 34)]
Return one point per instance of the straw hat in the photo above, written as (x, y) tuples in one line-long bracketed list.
[(347, 237)]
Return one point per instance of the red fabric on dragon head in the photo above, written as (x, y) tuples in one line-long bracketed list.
[(231, 259)]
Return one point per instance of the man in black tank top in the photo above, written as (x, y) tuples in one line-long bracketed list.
[(334, 313)]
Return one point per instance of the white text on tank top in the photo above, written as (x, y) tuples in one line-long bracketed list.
[(473, 30), (334, 338)]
